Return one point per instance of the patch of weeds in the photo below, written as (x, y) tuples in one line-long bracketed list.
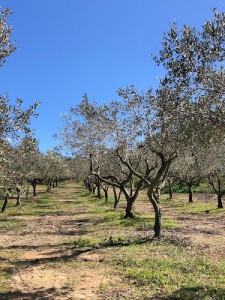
[(169, 268), (80, 242), (103, 287), (71, 284), (132, 222), (5, 275), (120, 241), (147, 226), (170, 223), (199, 293), (110, 216), (7, 224)]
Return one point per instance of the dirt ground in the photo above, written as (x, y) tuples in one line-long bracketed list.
[(39, 248)]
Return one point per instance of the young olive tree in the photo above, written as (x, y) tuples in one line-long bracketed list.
[(189, 169), (214, 161), (55, 168)]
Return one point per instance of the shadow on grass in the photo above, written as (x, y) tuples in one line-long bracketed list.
[(27, 247), (78, 221), (74, 233), (196, 293), (49, 294), (77, 248), (84, 195)]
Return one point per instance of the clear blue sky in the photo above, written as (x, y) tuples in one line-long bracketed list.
[(71, 47)]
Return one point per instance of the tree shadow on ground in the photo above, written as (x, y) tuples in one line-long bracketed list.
[(196, 293), (28, 247), (69, 253), (49, 294)]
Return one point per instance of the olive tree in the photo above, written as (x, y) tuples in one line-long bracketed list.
[(189, 169), (103, 135), (214, 162), (147, 131), (194, 64), (14, 121), (135, 144)]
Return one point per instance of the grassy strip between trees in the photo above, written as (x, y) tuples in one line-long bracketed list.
[(169, 268)]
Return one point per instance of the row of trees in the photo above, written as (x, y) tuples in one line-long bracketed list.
[(25, 167), (21, 163), (14, 121), (200, 165), (145, 135), (139, 140)]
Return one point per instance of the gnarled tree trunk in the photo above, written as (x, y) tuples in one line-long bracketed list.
[(130, 207), (5, 202), (190, 193), (18, 196), (154, 199), (116, 197), (219, 199)]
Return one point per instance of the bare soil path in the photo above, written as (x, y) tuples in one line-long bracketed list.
[(40, 273)]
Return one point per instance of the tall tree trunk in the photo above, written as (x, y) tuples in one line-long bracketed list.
[(18, 196), (219, 195), (116, 197), (154, 198), (5, 203), (49, 185), (170, 190), (93, 189), (106, 195), (27, 193), (99, 190), (130, 208), (219, 199), (34, 184), (89, 186), (190, 193)]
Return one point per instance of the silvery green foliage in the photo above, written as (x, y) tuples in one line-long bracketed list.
[(195, 75), (122, 137), (14, 121), (188, 167), (6, 46)]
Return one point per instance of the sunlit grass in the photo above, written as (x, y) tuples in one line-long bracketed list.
[(169, 269), (162, 269)]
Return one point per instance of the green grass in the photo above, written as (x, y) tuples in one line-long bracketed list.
[(197, 207), (181, 187), (171, 270), (5, 275), (149, 269)]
